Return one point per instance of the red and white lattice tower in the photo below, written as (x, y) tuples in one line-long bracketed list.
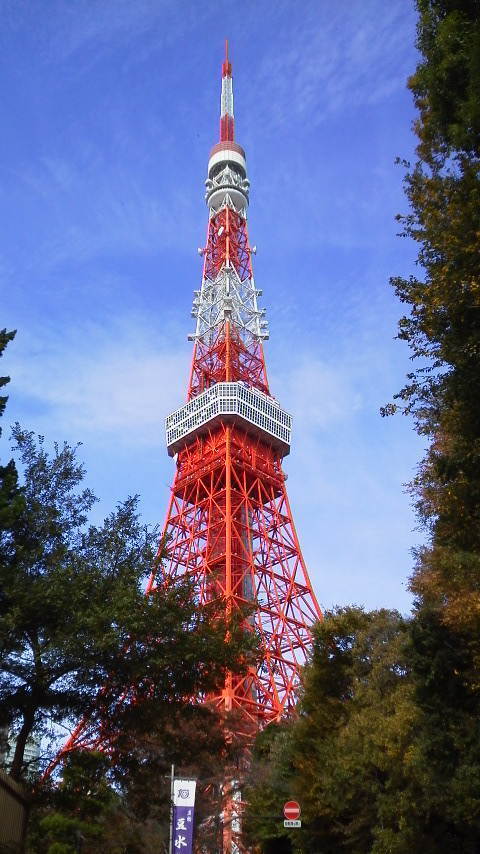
[(229, 525)]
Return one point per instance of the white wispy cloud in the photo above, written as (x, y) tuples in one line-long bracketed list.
[(316, 393), (122, 380), (328, 57), (87, 28), (346, 473), (116, 383), (112, 387), (101, 207)]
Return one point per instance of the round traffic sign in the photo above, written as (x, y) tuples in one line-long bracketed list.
[(291, 810)]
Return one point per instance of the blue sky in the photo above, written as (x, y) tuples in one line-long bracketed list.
[(109, 109)]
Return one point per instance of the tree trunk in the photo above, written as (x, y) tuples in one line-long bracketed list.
[(22, 738)]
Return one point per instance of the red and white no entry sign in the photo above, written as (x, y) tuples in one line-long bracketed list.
[(291, 810)]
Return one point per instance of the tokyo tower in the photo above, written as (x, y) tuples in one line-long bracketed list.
[(229, 526)]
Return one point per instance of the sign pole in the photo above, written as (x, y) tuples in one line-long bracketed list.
[(172, 776)]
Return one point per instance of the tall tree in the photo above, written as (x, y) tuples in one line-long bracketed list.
[(443, 331), (76, 630), (5, 338), (443, 327), (10, 495), (80, 811), (11, 500)]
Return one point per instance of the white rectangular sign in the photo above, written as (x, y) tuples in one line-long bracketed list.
[(292, 822), (184, 793)]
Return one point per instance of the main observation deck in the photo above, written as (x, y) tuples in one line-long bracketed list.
[(258, 413)]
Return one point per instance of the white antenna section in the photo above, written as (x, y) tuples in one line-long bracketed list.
[(228, 298), (226, 101)]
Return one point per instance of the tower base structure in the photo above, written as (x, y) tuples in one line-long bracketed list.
[(230, 529)]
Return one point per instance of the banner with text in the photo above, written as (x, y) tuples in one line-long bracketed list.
[(183, 809)]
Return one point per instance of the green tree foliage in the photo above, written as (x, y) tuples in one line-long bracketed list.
[(346, 758), (447, 80), (443, 327), (373, 757), (443, 332), (270, 785), (447, 742), (10, 496), (76, 630), (79, 810), (11, 500), (5, 338), (120, 801)]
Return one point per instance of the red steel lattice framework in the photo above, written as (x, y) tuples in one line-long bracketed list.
[(229, 524)]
